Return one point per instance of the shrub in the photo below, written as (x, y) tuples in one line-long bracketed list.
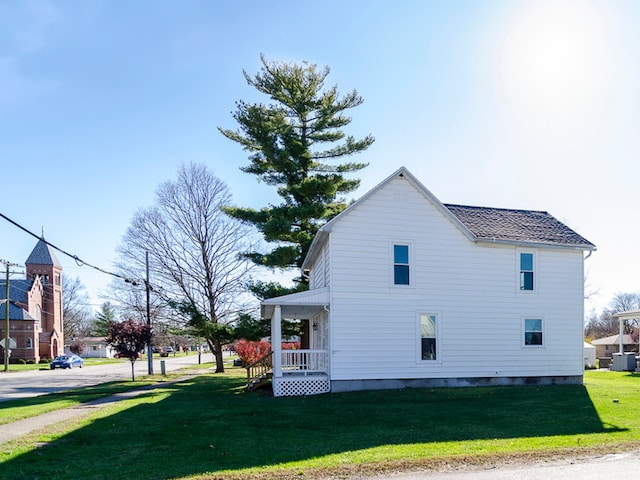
[(21, 361), (250, 352), (291, 345), (45, 360), (77, 347), (31, 362)]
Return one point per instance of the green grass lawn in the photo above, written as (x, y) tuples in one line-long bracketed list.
[(13, 410), (208, 427)]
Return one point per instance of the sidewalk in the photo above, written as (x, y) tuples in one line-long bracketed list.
[(12, 431)]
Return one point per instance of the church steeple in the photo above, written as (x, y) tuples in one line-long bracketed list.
[(43, 264), (43, 254)]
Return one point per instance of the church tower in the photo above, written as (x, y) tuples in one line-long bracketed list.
[(43, 263)]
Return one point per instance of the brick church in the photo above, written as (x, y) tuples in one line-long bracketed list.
[(35, 308)]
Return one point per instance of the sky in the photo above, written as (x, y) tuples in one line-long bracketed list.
[(513, 104)]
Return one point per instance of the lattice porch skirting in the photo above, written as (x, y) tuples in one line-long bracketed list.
[(292, 386)]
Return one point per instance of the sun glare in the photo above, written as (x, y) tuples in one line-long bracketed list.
[(556, 60)]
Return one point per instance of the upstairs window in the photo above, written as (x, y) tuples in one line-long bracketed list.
[(533, 332), (401, 264), (526, 271)]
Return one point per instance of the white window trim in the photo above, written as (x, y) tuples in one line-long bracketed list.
[(392, 264), (536, 274), (544, 333), (419, 360)]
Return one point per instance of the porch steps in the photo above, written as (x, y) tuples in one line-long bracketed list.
[(257, 382)]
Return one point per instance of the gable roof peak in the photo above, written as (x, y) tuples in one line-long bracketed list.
[(478, 224)]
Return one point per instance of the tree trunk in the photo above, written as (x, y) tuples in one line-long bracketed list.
[(133, 373), (217, 349)]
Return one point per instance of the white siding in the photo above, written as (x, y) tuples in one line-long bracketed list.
[(319, 274), (472, 288)]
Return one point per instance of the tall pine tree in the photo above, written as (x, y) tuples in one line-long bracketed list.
[(296, 143), (105, 317)]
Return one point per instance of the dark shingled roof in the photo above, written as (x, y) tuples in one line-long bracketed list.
[(17, 289), (522, 226), (15, 313), (43, 254)]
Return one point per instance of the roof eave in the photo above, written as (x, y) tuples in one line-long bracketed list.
[(519, 243), (315, 247)]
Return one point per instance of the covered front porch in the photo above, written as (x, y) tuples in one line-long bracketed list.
[(625, 360), (304, 371)]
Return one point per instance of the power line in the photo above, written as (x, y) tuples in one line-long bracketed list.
[(78, 261)]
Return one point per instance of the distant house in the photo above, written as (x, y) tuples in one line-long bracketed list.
[(35, 308), (407, 291), (589, 355), (607, 346), (95, 347)]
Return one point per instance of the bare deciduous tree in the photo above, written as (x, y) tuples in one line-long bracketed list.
[(606, 324), (194, 251), (623, 302), (76, 311)]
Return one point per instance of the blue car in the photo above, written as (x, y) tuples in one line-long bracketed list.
[(66, 361)]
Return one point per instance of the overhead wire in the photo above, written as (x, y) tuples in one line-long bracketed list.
[(78, 261)]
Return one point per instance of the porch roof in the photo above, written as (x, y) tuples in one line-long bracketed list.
[(301, 305), (628, 315)]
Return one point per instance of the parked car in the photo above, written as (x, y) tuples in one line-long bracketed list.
[(66, 361), (165, 351)]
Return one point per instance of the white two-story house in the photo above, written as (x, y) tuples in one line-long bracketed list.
[(408, 291)]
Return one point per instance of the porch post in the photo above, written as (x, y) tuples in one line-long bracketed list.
[(276, 341), (621, 335)]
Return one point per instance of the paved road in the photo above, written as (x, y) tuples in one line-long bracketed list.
[(32, 383), (619, 465)]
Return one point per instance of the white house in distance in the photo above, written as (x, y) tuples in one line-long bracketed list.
[(408, 291)]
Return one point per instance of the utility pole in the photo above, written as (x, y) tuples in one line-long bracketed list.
[(148, 289), (6, 315)]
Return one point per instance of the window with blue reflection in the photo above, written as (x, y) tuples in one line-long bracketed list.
[(401, 264), (526, 271)]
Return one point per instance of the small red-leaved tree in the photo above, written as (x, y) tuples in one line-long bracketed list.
[(128, 339), (77, 347), (250, 352)]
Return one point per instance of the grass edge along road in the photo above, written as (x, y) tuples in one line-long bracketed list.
[(208, 427)]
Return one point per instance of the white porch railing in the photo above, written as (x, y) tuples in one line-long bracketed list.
[(305, 361)]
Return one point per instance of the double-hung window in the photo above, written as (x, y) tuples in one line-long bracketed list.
[(428, 336), (533, 332), (527, 263), (401, 272)]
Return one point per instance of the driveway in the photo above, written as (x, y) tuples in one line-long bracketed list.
[(32, 383)]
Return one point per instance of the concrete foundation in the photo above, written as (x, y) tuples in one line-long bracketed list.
[(390, 384)]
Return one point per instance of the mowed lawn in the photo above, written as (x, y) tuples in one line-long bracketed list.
[(209, 427)]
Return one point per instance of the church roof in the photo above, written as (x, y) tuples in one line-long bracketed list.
[(43, 254), (17, 289), (15, 313)]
